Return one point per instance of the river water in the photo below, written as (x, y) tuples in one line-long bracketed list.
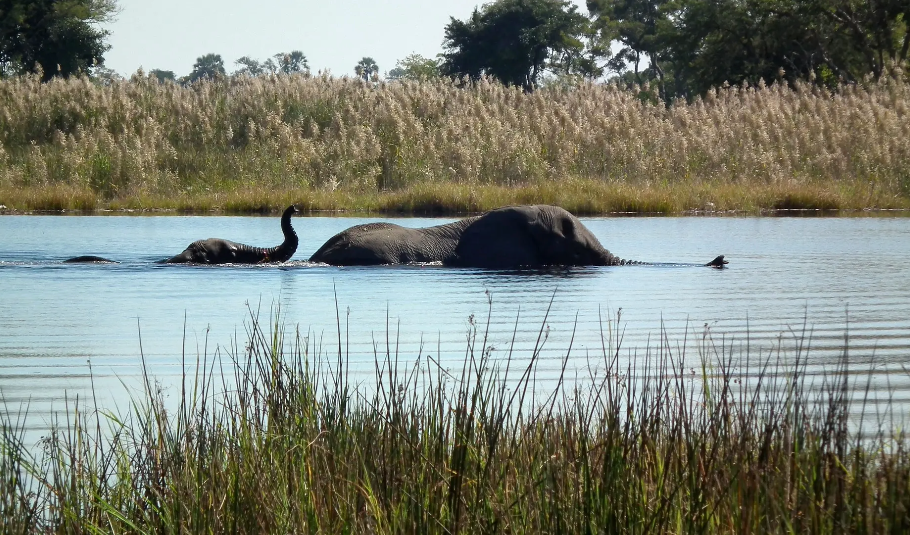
[(822, 280)]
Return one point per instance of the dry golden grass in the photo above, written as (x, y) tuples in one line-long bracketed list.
[(251, 144), (581, 197)]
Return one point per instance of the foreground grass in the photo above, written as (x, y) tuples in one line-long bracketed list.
[(247, 145), (294, 447)]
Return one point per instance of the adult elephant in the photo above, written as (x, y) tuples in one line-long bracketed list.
[(220, 251), (510, 237)]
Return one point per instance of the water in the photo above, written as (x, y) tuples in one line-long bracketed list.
[(830, 276)]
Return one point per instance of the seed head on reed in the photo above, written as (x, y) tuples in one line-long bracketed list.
[(662, 441), (330, 133)]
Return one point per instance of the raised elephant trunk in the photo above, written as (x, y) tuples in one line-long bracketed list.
[(219, 251), (287, 248)]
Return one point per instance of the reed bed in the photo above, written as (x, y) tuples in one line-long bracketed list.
[(247, 144), (275, 438)]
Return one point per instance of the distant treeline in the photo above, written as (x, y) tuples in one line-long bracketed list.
[(682, 48), (694, 45), (348, 143)]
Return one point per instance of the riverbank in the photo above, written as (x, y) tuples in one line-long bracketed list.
[(581, 197), (285, 443), (247, 145)]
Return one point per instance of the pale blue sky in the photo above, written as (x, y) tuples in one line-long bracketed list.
[(334, 34)]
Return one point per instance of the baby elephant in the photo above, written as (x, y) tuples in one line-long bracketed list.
[(219, 251)]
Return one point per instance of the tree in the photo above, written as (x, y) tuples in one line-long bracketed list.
[(55, 37), (583, 61), (640, 26), (248, 66), (750, 40), (512, 40), (103, 76), (692, 45), (366, 68), (290, 63), (162, 76), (414, 67), (207, 66), (287, 63), (863, 35), (269, 66)]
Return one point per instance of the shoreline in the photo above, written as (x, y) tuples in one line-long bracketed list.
[(789, 212), (582, 197)]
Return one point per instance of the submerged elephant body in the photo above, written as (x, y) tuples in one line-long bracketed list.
[(387, 243), (506, 238), (89, 259), (220, 251), (510, 237)]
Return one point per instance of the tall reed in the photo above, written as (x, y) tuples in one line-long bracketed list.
[(278, 439), (343, 143)]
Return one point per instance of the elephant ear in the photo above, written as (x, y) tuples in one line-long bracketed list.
[(551, 238), (499, 239)]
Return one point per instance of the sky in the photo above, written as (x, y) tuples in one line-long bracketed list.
[(333, 34)]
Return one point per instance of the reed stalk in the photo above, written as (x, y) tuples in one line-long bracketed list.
[(252, 144), (272, 437)]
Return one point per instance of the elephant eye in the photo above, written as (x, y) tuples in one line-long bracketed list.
[(568, 228)]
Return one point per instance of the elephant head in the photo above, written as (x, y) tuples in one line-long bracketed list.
[(537, 235), (561, 239)]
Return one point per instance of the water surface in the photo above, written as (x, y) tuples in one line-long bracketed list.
[(829, 277)]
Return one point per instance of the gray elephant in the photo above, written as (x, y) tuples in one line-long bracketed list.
[(219, 251), (510, 237)]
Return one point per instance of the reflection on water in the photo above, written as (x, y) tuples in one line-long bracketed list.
[(830, 277)]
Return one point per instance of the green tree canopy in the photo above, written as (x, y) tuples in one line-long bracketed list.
[(282, 62), (414, 67), (207, 66), (855, 37), (690, 46), (292, 62), (57, 37), (366, 68), (162, 75), (512, 40), (248, 66), (641, 27)]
